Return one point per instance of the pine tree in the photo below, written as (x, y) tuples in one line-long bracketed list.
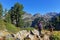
[(16, 14)]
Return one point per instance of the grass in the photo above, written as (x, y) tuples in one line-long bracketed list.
[(55, 34), (2, 25), (27, 28), (11, 28)]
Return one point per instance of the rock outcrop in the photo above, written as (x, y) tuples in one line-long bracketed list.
[(32, 35), (25, 35), (22, 34)]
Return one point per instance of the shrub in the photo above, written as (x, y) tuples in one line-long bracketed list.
[(56, 35)]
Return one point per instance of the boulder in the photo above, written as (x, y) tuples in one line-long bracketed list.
[(22, 34), (35, 32), (46, 37), (33, 37), (3, 33), (9, 37)]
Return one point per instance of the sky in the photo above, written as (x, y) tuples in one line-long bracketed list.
[(34, 6)]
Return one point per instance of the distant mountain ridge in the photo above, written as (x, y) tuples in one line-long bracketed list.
[(46, 17)]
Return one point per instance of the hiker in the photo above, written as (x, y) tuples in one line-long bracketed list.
[(39, 27), (51, 28)]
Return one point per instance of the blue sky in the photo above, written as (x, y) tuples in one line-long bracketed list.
[(34, 6)]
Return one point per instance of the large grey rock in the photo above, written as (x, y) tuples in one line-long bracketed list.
[(9, 37), (22, 34), (36, 32), (33, 37)]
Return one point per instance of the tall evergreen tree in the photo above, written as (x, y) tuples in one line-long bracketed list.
[(16, 14)]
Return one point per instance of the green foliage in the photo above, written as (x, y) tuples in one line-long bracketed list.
[(7, 18), (21, 23), (27, 28), (11, 28), (55, 37), (16, 14), (2, 25), (1, 10)]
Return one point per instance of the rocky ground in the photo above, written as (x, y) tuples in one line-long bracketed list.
[(25, 35)]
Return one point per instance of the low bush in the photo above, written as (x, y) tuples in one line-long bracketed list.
[(56, 35)]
